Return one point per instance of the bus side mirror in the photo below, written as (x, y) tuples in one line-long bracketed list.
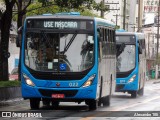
[(19, 37), (140, 50)]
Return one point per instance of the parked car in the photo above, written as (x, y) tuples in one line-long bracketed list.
[(14, 74)]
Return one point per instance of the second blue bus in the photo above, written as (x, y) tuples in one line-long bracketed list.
[(131, 63)]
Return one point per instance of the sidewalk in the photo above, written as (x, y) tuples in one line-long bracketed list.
[(11, 102), (154, 81)]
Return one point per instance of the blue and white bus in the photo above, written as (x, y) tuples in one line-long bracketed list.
[(131, 63), (68, 58)]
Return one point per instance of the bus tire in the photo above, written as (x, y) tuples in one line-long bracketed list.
[(92, 104), (55, 104), (100, 93), (141, 91), (106, 100), (134, 94), (34, 103)]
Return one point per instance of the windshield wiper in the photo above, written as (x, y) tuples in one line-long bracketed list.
[(70, 42)]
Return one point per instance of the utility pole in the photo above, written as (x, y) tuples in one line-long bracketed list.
[(124, 14), (140, 13), (116, 18), (157, 41), (148, 45), (116, 3), (102, 12)]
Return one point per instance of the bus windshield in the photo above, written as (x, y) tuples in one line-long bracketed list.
[(126, 59), (59, 52)]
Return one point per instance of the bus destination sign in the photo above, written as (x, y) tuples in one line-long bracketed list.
[(125, 39), (60, 24)]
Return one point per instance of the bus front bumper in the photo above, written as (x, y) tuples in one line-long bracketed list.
[(126, 87), (69, 93)]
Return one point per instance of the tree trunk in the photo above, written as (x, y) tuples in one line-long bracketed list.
[(19, 24), (6, 20)]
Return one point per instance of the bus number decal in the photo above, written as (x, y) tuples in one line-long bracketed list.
[(122, 81), (73, 84)]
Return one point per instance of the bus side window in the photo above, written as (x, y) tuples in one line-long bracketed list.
[(140, 47), (114, 43), (108, 46), (100, 39), (109, 41)]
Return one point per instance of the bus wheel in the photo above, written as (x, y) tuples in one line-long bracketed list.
[(55, 104), (134, 94), (106, 100), (34, 103), (100, 93), (141, 91), (92, 104), (46, 102), (100, 101)]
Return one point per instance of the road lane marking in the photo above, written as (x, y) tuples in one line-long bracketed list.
[(135, 104), (120, 109)]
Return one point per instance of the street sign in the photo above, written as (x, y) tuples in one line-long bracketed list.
[(151, 6)]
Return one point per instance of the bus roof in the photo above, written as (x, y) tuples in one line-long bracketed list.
[(99, 21), (104, 22), (56, 16)]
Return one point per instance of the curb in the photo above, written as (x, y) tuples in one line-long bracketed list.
[(7, 93)]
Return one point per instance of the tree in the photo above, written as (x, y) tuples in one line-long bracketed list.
[(70, 4), (21, 11), (6, 20), (37, 9)]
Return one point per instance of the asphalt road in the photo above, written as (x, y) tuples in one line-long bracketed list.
[(123, 107)]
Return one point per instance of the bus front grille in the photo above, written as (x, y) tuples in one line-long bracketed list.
[(119, 87), (67, 93)]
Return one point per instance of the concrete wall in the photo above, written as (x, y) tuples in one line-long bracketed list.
[(14, 54)]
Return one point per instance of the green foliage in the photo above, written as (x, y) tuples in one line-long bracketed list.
[(37, 9), (40, 7), (70, 4), (117, 27), (44, 2), (88, 13), (9, 83), (100, 6)]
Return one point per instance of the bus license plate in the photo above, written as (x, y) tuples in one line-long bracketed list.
[(57, 95)]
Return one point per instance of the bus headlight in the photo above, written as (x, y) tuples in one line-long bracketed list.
[(132, 79), (28, 81), (89, 81)]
